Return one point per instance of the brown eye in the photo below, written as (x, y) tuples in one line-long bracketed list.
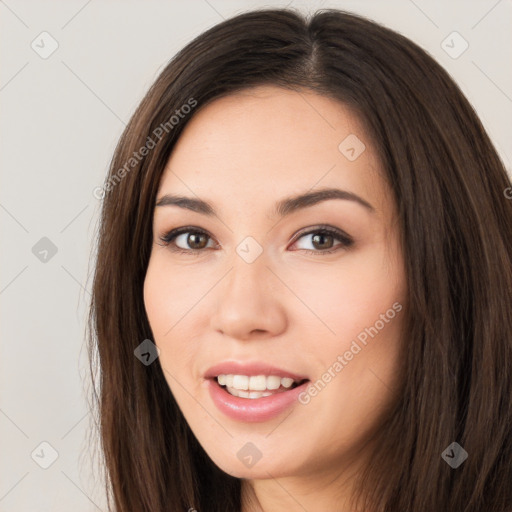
[(197, 240), (186, 240), (323, 240)]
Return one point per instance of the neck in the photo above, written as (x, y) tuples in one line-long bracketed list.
[(313, 492)]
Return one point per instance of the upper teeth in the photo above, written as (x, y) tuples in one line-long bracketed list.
[(254, 383)]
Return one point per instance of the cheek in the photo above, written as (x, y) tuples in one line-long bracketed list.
[(361, 306), (170, 293), (350, 296), (156, 300), (165, 306), (172, 300)]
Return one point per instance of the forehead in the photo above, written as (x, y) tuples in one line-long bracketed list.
[(268, 141)]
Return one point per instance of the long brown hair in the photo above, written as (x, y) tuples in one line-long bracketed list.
[(456, 233)]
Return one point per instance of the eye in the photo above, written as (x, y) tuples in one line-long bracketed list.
[(191, 240), (186, 239), (322, 239)]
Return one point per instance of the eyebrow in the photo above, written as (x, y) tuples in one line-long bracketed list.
[(282, 208)]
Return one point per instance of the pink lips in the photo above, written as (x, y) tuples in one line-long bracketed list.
[(253, 410), (247, 409)]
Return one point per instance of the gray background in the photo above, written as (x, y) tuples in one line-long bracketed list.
[(61, 117)]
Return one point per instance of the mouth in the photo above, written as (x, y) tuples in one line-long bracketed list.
[(253, 391), (256, 386), (255, 398)]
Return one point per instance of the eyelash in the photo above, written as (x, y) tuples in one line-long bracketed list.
[(346, 241)]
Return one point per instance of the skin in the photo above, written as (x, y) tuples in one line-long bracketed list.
[(298, 311)]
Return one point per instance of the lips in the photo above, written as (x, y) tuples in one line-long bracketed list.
[(253, 406)]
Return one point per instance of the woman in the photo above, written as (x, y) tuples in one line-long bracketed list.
[(303, 281)]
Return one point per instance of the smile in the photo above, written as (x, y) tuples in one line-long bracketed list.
[(249, 405), (256, 386)]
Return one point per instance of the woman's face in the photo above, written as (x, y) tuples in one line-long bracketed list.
[(255, 287)]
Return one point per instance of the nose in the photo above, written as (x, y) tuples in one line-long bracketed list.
[(249, 302)]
